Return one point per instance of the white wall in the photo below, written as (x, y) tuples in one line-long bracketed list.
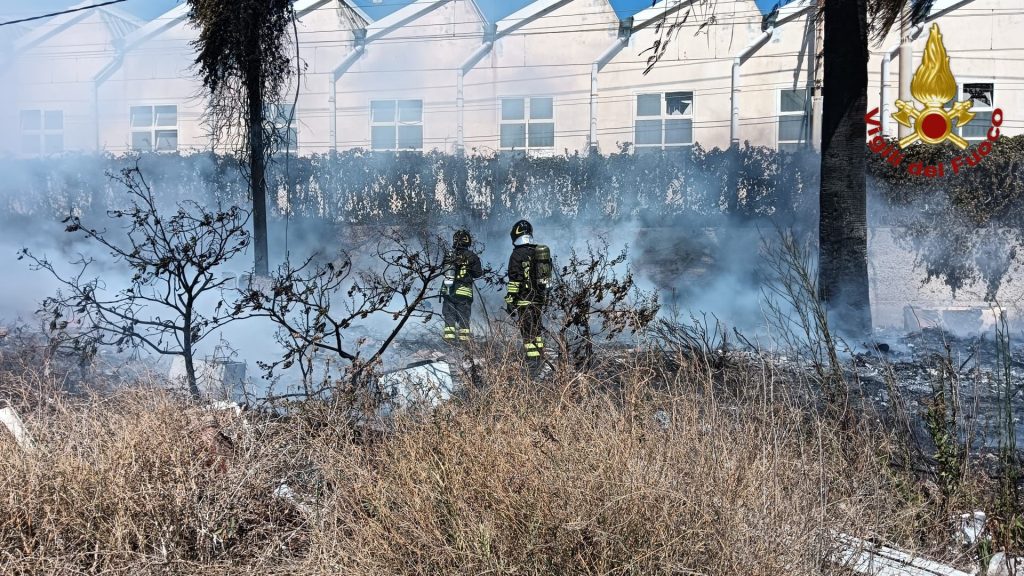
[(416, 62), (548, 57), (551, 56), (56, 74)]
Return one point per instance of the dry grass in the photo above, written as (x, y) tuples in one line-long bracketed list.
[(573, 476)]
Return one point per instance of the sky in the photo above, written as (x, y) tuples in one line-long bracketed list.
[(149, 9)]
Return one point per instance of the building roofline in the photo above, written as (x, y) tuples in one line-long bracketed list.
[(43, 32)]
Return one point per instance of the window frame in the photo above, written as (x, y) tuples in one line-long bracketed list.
[(41, 133), (961, 83), (395, 123), (280, 123), (663, 116), (525, 123), (153, 128), (806, 114)]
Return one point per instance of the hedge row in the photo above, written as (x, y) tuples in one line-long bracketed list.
[(359, 186)]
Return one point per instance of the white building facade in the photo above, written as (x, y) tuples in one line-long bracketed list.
[(557, 76)]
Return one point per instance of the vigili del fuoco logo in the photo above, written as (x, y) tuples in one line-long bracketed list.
[(934, 87)]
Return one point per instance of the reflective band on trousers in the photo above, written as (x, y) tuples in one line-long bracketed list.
[(463, 333), (449, 333)]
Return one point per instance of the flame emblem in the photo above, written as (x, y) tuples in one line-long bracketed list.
[(934, 86)]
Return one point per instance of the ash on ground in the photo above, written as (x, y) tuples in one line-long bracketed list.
[(972, 381)]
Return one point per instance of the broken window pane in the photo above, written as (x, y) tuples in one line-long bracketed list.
[(678, 103), (982, 93), (382, 111), (648, 105), (512, 109), (541, 108)]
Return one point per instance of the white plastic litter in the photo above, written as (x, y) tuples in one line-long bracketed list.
[(421, 385), (971, 527), (10, 419), (866, 557)]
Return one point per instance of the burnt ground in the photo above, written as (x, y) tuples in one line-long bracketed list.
[(970, 376)]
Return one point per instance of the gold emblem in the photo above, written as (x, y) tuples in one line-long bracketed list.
[(933, 85)]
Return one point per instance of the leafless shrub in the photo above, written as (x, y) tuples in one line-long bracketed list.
[(590, 301), (173, 298), (317, 305)]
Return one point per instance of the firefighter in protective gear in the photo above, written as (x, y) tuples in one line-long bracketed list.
[(462, 266), (525, 296)]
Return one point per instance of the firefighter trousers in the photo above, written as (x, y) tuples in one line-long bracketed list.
[(456, 311), (529, 318)]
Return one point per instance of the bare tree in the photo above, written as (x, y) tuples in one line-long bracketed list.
[(243, 59), (316, 306), (173, 298)]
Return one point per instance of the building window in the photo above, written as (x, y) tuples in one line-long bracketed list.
[(983, 96), (282, 119), (396, 124), (663, 121), (42, 131), (154, 128), (794, 119), (527, 124)]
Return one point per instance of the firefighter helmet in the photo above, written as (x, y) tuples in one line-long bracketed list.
[(462, 239), (521, 228)]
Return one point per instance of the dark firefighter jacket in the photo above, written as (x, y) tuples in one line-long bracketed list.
[(522, 291), (465, 267)]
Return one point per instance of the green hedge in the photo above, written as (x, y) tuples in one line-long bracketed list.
[(363, 187)]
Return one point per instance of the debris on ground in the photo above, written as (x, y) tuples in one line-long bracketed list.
[(285, 493), (866, 557), (420, 386), (12, 421), (1003, 565)]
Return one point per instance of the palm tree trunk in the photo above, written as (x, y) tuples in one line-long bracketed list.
[(842, 228), (257, 167)]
